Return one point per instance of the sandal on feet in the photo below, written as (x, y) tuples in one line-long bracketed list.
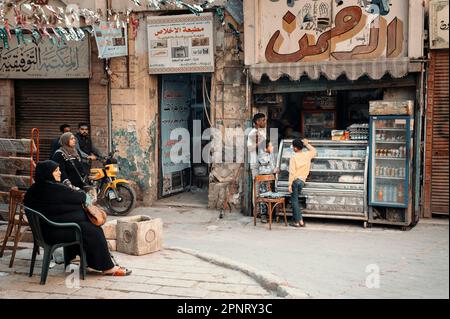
[(296, 225), (120, 271)]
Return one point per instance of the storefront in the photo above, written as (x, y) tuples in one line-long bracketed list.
[(321, 87), (436, 196), (50, 87), (181, 53)]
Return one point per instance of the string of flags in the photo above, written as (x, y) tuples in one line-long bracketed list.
[(60, 25)]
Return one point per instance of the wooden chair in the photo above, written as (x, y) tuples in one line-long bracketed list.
[(271, 203), (17, 220)]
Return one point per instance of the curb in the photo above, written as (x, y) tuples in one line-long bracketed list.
[(267, 280)]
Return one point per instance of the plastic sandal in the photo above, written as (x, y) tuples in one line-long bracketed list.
[(120, 272)]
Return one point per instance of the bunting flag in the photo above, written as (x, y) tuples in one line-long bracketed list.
[(36, 19)]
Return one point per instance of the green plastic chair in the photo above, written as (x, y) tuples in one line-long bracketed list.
[(35, 220)]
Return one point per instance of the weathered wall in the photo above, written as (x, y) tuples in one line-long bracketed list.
[(229, 111), (7, 113), (98, 100), (134, 101)]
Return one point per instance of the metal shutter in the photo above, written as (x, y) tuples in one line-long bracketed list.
[(46, 104), (440, 143)]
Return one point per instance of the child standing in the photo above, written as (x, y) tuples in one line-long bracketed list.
[(266, 161), (299, 168)]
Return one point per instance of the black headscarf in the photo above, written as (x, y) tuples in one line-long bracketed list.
[(44, 171)]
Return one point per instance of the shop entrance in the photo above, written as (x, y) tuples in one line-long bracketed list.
[(184, 116)]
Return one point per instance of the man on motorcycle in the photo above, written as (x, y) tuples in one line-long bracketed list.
[(87, 147)]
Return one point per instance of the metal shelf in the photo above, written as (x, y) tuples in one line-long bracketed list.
[(391, 129), (324, 170), (390, 177), (391, 158), (386, 142), (340, 158)]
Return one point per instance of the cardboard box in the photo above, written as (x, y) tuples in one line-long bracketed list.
[(405, 107)]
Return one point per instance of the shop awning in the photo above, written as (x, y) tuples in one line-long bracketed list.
[(353, 70)]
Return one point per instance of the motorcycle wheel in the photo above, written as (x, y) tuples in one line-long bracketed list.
[(125, 205)]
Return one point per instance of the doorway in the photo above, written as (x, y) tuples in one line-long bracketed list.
[(184, 116)]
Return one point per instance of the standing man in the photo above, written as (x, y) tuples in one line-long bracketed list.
[(86, 146), (299, 169), (256, 141)]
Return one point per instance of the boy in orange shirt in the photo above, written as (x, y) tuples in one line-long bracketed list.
[(299, 168)]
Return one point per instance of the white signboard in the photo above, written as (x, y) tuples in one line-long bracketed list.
[(111, 41), (44, 60), (181, 44), (439, 25)]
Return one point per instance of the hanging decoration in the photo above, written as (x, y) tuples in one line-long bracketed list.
[(38, 17)]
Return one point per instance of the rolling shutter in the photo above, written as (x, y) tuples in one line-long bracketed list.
[(46, 104), (440, 134)]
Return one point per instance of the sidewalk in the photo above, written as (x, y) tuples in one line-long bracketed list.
[(166, 274)]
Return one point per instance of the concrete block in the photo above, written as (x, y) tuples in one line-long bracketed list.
[(112, 245), (109, 229), (139, 235)]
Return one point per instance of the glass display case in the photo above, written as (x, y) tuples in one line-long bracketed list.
[(336, 186), (389, 161)]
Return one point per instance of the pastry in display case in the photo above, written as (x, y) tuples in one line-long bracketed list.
[(336, 186)]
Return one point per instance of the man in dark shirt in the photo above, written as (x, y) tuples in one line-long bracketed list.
[(86, 146)]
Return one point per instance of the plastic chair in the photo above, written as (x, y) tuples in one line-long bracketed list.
[(271, 203), (35, 220)]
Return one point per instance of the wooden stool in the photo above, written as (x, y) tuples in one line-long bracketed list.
[(15, 219), (271, 203)]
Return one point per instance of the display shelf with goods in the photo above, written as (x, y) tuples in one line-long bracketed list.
[(317, 124), (336, 186), (389, 177)]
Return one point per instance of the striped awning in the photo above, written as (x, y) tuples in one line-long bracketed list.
[(353, 70)]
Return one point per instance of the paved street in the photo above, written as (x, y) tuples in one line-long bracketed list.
[(328, 259), (166, 274)]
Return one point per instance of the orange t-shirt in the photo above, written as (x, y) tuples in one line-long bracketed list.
[(300, 166)]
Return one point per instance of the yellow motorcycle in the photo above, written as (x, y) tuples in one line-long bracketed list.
[(117, 194)]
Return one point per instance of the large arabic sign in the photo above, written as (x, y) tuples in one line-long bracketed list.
[(439, 24), (45, 60), (328, 30), (181, 44)]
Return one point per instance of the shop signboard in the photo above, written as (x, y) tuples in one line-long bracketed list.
[(326, 30), (181, 44), (44, 60), (111, 41), (439, 24)]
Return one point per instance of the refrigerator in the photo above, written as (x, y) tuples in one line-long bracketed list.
[(390, 159)]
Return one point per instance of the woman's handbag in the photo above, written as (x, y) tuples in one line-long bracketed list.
[(96, 215)]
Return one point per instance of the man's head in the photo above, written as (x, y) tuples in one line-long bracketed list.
[(259, 120), (64, 128), (298, 145), (83, 128)]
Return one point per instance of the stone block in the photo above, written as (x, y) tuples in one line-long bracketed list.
[(112, 245), (109, 229), (139, 235)]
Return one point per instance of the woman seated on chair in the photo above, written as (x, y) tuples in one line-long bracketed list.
[(69, 160), (63, 204)]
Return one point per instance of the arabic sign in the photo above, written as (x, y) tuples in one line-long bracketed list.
[(328, 30), (181, 44), (111, 41), (439, 24), (175, 111), (45, 60)]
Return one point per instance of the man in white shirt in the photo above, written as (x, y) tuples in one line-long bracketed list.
[(256, 139)]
